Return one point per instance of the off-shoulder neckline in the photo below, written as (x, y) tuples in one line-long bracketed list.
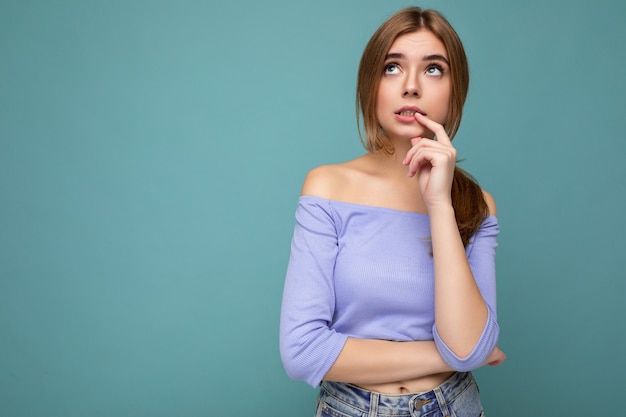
[(366, 206)]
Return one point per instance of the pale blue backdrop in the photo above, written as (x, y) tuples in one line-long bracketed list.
[(152, 153)]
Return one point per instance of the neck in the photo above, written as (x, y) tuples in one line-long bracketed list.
[(391, 164)]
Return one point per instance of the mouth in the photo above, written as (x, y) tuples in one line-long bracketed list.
[(410, 111)]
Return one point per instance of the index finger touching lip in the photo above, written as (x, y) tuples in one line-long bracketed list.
[(436, 128)]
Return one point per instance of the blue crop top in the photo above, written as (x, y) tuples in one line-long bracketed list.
[(366, 272)]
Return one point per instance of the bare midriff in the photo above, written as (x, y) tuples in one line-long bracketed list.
[(417, 385)]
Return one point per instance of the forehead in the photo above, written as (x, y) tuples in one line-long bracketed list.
[(420, 43)]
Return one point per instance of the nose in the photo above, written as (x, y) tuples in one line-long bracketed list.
[(411, 91), (411, 87)]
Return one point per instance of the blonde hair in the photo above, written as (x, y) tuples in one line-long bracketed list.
[(406, 21), (467, 198)]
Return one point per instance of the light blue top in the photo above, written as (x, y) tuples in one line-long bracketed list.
[(367, 272)]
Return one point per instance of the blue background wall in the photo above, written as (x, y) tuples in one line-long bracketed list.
[(152, 153)]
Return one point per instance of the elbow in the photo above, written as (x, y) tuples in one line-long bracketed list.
[(479, 354), (293, 364), (299, 366), (309, 357), (466, 364), (292, 356)]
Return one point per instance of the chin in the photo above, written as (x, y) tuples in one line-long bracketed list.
[(414, 133)]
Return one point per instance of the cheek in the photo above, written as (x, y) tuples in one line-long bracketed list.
[(442, 113), (381, 99), (382, 103)]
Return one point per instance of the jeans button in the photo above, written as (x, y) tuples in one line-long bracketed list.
[(420, 403)]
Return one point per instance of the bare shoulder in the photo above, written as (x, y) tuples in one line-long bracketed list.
[(331, 181), (491, 203), (323, 181)]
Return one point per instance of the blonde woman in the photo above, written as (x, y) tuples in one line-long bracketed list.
[(390, 298)]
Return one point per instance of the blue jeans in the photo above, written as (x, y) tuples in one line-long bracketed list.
[(456, 397)]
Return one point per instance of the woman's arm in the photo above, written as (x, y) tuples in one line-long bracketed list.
[(367, 361), (460, 310), (462, 317)]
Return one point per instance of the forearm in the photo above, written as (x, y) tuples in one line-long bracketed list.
[(460, 310), (367, 361)]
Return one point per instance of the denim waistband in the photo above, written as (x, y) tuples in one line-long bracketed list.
[(390, 404)]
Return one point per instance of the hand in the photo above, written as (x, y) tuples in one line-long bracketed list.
[(496, 357), (433, 161)]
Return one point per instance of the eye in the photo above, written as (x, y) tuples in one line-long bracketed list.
[(435, 70), (392, 68)]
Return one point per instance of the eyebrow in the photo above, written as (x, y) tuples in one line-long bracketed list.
[(433, 57)]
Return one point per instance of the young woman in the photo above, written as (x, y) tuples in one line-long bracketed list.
[(390, 298)]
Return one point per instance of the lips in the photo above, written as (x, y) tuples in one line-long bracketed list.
[(406, 114), (410, 111)]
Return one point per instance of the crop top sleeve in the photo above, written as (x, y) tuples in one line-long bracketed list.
[(308, 345)]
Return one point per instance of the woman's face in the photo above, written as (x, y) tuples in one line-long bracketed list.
[(416, 78)]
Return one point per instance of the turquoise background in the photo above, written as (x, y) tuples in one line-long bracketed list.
[(151, 157)]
